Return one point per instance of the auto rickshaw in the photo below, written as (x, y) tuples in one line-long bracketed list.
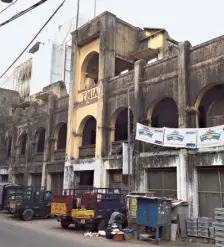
[(33, 202)]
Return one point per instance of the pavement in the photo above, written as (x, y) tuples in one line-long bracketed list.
[(48, 233)]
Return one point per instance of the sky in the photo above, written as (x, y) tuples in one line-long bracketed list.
[(193, 20)]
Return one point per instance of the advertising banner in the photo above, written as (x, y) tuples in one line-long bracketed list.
[(180, 138), (210, 137), (149, 134)]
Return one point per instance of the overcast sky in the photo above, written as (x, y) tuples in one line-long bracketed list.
[(193, 20)]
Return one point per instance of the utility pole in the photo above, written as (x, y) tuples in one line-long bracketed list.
[(94, 8), (129, 142), (77, 15), (68, 170), (74, 73)]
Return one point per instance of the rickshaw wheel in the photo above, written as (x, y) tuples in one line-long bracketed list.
[(27, 215), (65, 223)]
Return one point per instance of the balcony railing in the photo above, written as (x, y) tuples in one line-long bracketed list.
[(116, 147), (87, 151)]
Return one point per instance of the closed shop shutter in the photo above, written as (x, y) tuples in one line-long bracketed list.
[(19, 179), (36, 180), (57, 183), (163, 182), (5, 178), (210, 190), (117, 180)]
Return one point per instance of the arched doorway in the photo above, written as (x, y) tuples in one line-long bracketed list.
[(90, 70), (211, 110), (62, 136), (164, 114), (23, 143), (119, 129), (88, 132), (121, 125), (8, 146), (40, 136)]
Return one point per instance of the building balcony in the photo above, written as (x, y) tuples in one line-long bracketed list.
[(116, 147), (87, 151), (59, 154)]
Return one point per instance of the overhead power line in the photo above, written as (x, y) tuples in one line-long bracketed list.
[(8, 6), (33, 39), (23, 12)]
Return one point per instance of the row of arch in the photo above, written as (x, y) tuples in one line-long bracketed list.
[(60, 135), (161, 114)]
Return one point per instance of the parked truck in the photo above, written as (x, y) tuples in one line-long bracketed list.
[(87, 208)]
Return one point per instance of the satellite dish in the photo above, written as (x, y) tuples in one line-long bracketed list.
[(7, 1)]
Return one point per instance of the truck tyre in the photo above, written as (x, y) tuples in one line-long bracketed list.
[(65, 223), (27, 215)]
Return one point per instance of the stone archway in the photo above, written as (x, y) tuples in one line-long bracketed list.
[(163, 113)]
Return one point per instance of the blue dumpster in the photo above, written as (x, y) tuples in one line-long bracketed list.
[(152, 212)]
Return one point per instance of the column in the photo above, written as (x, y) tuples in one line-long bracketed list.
[(138, 171), (182, 83), (182, 178), (106, 70), (182, 168), (47, 146), (193, 118)]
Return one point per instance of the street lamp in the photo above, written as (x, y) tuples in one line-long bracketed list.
[(7, 1)]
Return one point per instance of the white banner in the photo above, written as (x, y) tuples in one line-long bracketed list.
[(126, 170), (149, 134), (210, 137), (180, 138)]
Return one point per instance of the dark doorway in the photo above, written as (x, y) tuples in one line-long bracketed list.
[(41, 141), (211, 110), (165, 114), (121, 125), (23, 144), (86, 178), (62, 137), (9, 146), (89, 132)]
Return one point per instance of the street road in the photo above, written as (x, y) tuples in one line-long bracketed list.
[(45, 233), (16, 236)]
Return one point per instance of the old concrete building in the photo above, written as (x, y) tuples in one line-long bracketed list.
[(184, 88), (171, 84), (33, 137)]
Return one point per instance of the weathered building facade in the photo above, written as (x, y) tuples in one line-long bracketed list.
[(183, 88), (34, 138)]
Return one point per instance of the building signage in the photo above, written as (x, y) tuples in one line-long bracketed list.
[(90, 94)]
